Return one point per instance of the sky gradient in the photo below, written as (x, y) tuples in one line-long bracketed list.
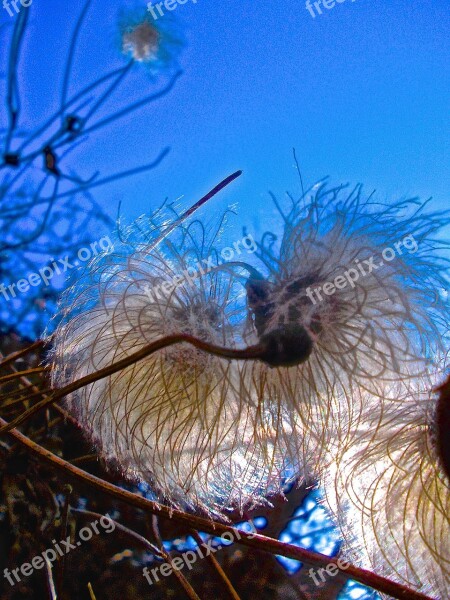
[(361, 92)]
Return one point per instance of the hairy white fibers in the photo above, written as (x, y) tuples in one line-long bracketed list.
[(391, 496), (367, 352), (381, 324), (153, 44), (182, 419)]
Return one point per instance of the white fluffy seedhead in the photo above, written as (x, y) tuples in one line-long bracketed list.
[(360, 285), (390, 494), (152, 43), (142, 41), (355, 375), (183, 420)]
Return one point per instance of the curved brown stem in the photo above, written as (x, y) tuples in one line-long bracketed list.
[(144, 542), (13, 376), (257, 541), (251, 353), (13, 357)]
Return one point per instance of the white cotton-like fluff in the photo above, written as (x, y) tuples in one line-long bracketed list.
[(153, 44), (380, 320), (390, 494), (183, 420)]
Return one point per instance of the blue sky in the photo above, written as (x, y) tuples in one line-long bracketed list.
[(361, 92)]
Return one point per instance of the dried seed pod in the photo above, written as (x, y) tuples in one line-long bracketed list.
[(442, 427)]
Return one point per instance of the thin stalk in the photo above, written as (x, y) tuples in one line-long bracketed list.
[(218, 568)]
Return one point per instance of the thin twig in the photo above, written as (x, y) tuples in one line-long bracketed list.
[(218, 568), (13, 376), (73, 43), (133, 534), (39, 131), (64, 523), (132, 107), (12, 96), (50, 583), (67, 417), (123, 175), (13, 357), (91, 592), (250, 353), (181, 578), (299, 172), (219, 187)]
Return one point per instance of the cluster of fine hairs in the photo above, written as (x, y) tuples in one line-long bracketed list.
[(390, 493), (182, 419), (375, 344), (279, 372), (155, 44)]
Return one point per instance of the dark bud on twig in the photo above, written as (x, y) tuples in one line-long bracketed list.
[(12, 160), (73, 124), (50, 161), (286, 346)]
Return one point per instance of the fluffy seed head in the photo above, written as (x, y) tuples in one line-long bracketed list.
[(155, 44), (357, 290), (183, 420), (215, 433), (390, 494), (141, 41)]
